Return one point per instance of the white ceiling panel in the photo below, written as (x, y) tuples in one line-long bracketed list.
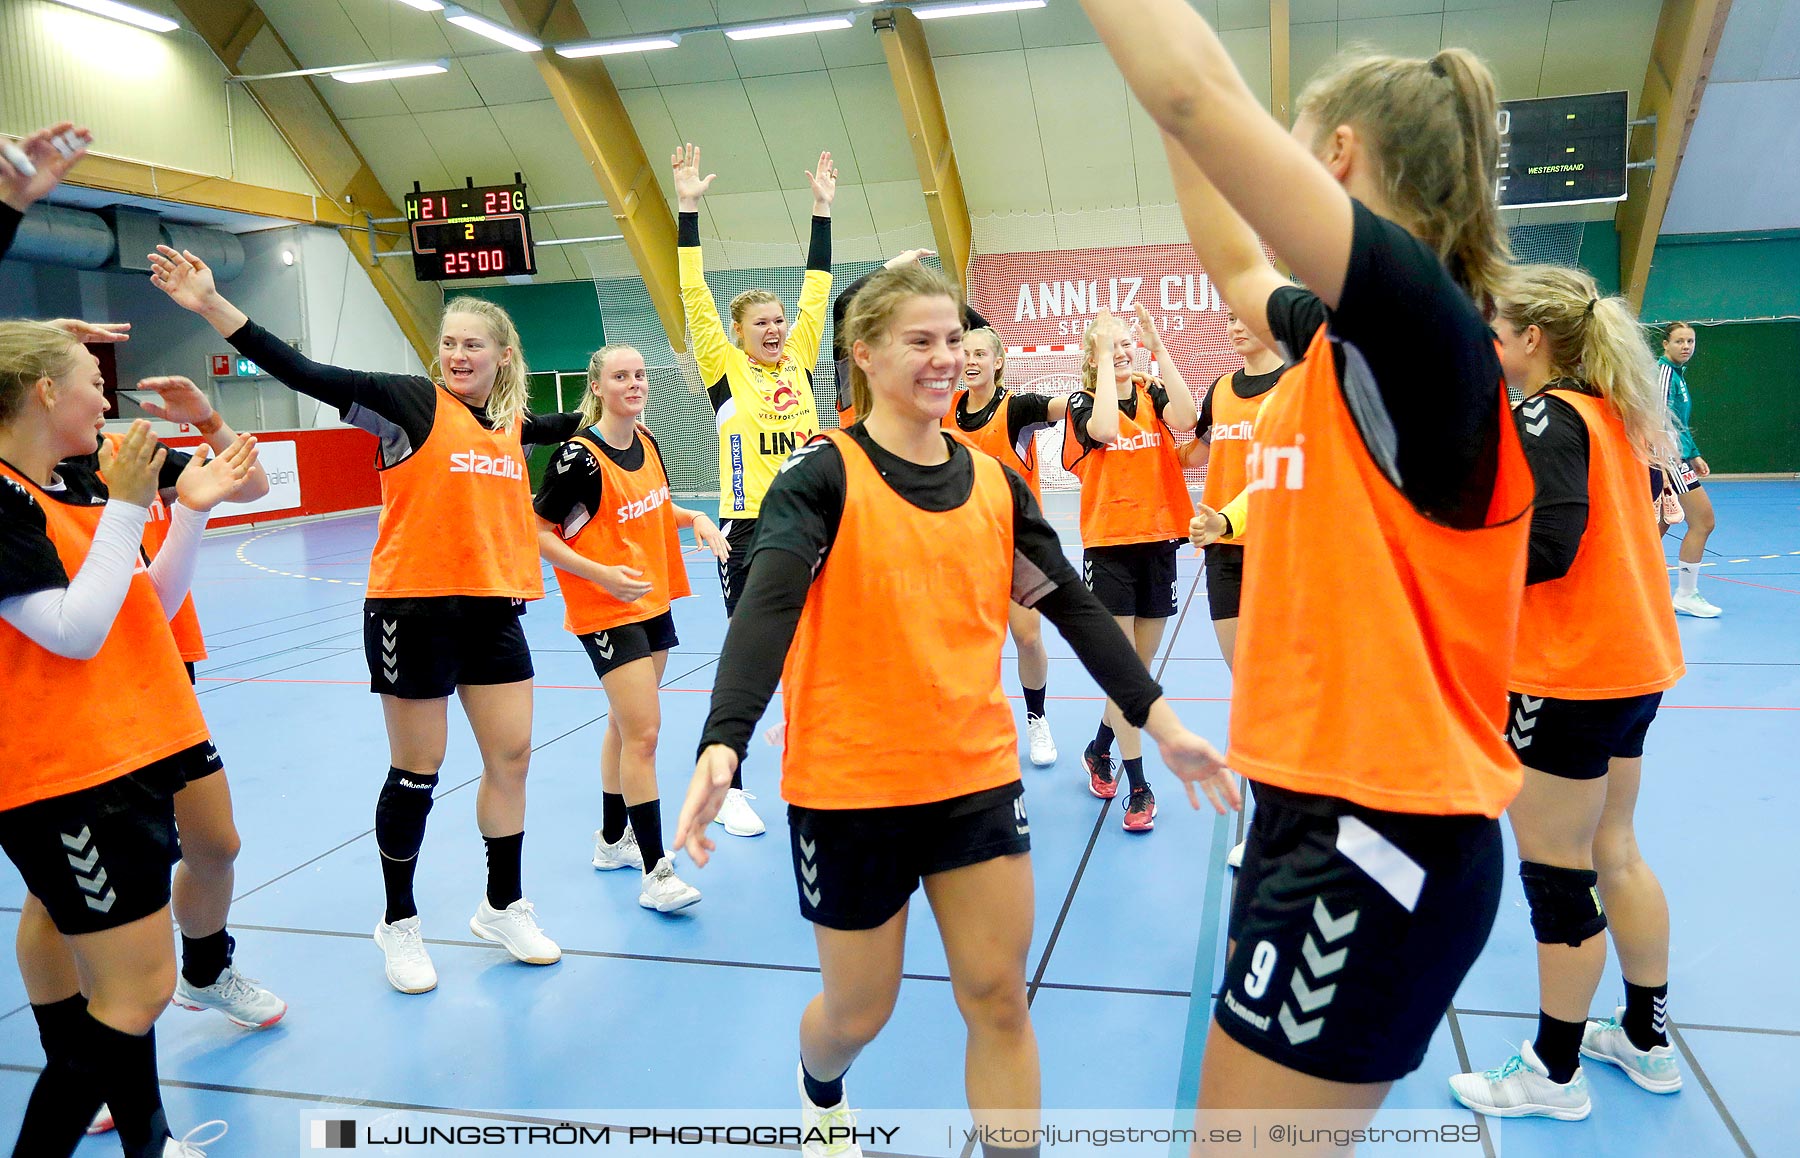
[(998, 32), (1236, 14), (398, 153), (858, 46), (784, 54), (1741, 171), (1375, 9), (1761, 42), (871, 114), (703, 56), (762, 217), (994, 124), (1083, 107), (1310, 49), (506, 78), (799, 117), (1510, 40), (1420, 35), (632, 70), (1312, 11), (552, 161), (1249, 49), (717, 116), (376, 99), (391, 31), (470, 144), (1063, 22), (436, 94), (319, 33), (1599, 45), (852, 225)]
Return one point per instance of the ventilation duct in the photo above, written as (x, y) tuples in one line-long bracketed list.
[(59, 235)]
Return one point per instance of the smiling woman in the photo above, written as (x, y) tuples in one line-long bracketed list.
[(443, 609)]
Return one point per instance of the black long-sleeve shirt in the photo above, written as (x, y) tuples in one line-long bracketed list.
[(9, 227), (398, 409), (1417, 365), (800, 519)]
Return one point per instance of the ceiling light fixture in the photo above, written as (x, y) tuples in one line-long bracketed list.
[(124, 12), (790, 27), (424, 5), (482, 26), (615, 47), (973, 8), (394, 72)]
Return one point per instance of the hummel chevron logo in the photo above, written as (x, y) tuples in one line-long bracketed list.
[(390, 661), (1308, 998), (1299, 1031), (1530, 704), (94, 883), (85, 865), (795, 458), (1519, 741), (812, 896), (603, 644), (1523, 722), (78, 841), (100, 896), (1333, 930), (807, 848), (1537, 416), (809, 871), (1322, 964)]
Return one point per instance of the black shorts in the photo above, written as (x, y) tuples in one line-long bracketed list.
[(856, 867), (1224, 579), (102, 857), (1575, 739), (1353, 929), (1135, 579), (424, 656), (735, 569), (617, 646), (1684, 478), (204, 759)]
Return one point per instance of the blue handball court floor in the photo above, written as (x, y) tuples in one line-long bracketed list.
[(659, 1018)]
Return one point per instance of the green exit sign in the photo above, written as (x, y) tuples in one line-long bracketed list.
[(245, 368)]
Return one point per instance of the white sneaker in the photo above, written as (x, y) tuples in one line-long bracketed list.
[(664, 891), (103, 1120), (737, 816), (1043, 746), (826, 1131), (1695, 604), (622, 853), (1235, 858), (515, 929), (1522, 1089), (1653, 1069), (409, 967), (238, 997), (187, 1146)]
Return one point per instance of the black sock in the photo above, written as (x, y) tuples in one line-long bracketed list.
[(646, 822), (1558, 1046), (504, 856), (989, 1150), (1103, 740), (822, 1094), (204, 958), (400, 813), (68, 1091), (127, 1068), (612, 816), (1134, 771), (1034, 701), (737, 777), (1646, 1015)]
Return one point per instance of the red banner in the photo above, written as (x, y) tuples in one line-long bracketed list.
[(1037, 300)]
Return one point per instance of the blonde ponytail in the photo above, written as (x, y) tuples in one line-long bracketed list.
[(29, 353), (1596, 339)]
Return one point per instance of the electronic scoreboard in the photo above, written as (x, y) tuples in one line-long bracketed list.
[(1567, 150), (479, 231)]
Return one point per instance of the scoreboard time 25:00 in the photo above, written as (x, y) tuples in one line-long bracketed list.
[(482, 231)]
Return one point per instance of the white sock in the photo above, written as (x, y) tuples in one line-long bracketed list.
[(1690, 578)]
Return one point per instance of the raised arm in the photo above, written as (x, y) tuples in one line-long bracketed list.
[(712, 346), (1181, 73), (49, 154), (1180, 414), (815, 290), (1103, 419), (185, 403), (1225, 244)]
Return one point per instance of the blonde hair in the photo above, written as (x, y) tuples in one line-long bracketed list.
[(592, 406), (29, 353), (1090, 362), (872, 313), (995, 344), (1596, 339), (1432, 132), (512, 384), (754, 297)]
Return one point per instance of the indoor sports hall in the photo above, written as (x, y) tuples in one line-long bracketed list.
[(340, 169)]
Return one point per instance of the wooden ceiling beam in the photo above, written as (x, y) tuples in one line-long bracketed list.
[(590, 103), (1681, 58), (922, 107)]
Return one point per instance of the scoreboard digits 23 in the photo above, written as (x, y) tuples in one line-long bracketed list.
[(484, 231)]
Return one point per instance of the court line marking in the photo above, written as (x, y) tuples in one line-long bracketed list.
[(1706, 1084), (248, 562)]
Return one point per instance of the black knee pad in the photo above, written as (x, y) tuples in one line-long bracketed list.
[(1565, 904), (400, 813)]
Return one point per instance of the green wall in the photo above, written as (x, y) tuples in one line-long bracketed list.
[(559, 322), (1744, 291)]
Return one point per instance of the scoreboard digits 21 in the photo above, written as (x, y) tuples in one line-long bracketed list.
[(480, 231)]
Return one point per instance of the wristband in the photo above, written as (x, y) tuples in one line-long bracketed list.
[(212, 424)]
